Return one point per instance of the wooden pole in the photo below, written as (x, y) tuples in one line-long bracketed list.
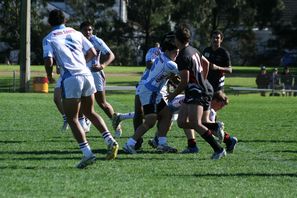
[(25, 45)]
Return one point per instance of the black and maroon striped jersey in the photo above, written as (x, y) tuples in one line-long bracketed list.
[(220, 57)]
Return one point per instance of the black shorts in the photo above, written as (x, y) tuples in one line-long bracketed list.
[(154, 108), (196, 95), (209, 95)]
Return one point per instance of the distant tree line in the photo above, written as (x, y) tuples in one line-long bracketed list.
[(148, 20)]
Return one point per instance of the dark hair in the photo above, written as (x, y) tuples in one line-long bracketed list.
[(168, 42), (221, 97), (183, 33), (85, 24), (56, 17), (215, 32)]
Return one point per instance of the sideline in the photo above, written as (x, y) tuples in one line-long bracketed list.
[(120, 88)]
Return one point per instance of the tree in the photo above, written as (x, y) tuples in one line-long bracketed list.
[(149, 20), (9, 21), (10, 26), (197, 13)]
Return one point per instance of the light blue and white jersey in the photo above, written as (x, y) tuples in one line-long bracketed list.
[(100, 47), (152, 54), (161, 70), (67, 47)]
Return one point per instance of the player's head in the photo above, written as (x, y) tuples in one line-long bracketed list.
[(217, 38), (183, 34), (56, 17), (86, 28), (168, 42), (168, 45)]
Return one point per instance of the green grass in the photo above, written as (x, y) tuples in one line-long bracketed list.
[(37, 160), (126, 76)]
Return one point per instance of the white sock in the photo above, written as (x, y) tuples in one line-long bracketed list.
[(64, 117), (131, 142), (86, 149), (107, 137), (162, 140), (125, 116)]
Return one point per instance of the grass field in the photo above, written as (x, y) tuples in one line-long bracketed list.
[(37, 160), (121, 75)]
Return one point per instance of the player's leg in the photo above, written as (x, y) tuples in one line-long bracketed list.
[(195, 113), (191, 141), (58, 102), (58, 99), (104, 105), (87, 108), (138, 113), (230, 141), (217, 128), (150, 119), (71, 108), (71, 105), (137, 119), (83, 122), (100, 97), (164, 124)]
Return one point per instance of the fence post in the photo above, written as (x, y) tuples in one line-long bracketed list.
[(14, 82)]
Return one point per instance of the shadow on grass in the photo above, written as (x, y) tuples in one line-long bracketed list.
[(52, 152), (268, 141), (234, 175), (11, 142), (285, 151)]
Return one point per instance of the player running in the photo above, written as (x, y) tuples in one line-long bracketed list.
[(193, 69), (152, 98), (67, 47), (104, 57)]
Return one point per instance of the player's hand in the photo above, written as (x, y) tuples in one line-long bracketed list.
[(228, 70), (170, 96), (96, 67)]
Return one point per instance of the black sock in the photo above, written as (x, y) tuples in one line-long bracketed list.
[(211, 126), (192, 143), (156, 139), (211, 141)]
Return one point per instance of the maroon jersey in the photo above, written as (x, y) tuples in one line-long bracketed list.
[(189, 59)]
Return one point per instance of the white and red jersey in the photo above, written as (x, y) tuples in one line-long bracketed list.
[(160, 72), (67, 47), (152, 54), (101, 48)]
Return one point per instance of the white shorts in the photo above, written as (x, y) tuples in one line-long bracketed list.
[(99, 80), (146, 96), (176, 103), (59, 83), (138, 88), (78, 86)]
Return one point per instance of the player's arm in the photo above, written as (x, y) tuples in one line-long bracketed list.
[(184, 80), (205, 66), (228, 69), (106, 59), (48, 65), (149, 60), (48, 59), (91, 53)]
